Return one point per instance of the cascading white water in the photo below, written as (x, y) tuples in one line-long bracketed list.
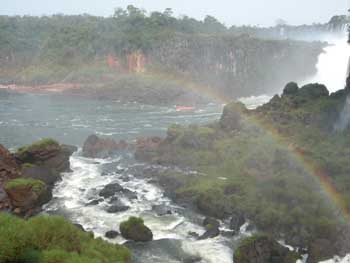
[(332, 65)]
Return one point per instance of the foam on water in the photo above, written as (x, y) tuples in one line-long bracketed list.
[(81, 186)]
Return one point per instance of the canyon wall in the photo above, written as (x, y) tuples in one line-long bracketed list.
[(236, 66)]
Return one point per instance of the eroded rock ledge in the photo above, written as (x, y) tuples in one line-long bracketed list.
[(28, 176)]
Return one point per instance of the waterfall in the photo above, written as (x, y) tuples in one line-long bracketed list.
[(332, 66)]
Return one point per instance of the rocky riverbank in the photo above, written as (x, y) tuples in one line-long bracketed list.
[(28, 176), (267, 165)]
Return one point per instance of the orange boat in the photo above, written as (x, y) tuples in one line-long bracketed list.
[(184, 108)]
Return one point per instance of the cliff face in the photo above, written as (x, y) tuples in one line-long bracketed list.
[(237, 66)]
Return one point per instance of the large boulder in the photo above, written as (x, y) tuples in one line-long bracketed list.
[(211, 226), (9, 169), (26, 194), (95, 147), (135, 229), (231, 118), (46, 153), (263, 249), (291, 89), (110, 190)]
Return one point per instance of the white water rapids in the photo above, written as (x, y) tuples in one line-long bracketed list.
[(89, 176)]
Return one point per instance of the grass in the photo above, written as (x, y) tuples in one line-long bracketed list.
[(47, 239), (41, 144), (35, 185)]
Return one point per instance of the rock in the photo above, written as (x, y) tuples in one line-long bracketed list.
[(147, 147), (134, 229), (192, 259), (237, 220), (48, 176), (193, 234), (320, 250), (80, 227), (94, 202), (291, 88), (129, 194), (313, 91), (212, 228), (26, 194), (111, 234), (9, 169), (46, 153), (95, 147), (161, 210), (110, 190), (232, 116), (117, 208), (263, 249)]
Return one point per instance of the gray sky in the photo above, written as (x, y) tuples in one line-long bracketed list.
[(254, 12)]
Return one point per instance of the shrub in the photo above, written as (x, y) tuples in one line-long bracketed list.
[(46, 239)]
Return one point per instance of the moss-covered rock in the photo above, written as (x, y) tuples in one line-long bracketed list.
[(135, 229), (26, 193), (232, 116), (263, 249), (47, 153)]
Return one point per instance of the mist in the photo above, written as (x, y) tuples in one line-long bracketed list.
[(164, 131)]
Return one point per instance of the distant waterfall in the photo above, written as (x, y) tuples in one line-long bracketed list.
[(332, 66)]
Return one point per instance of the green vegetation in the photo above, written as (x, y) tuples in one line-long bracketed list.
[(27, 165), (36, 186), (46, 239), (42, 144), (267, 164)]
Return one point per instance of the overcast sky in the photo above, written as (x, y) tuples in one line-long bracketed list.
[(253, 12)]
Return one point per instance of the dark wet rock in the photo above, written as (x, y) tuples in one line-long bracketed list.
[(161, 210), (110, 190), (112, 234), (94, 202), (129, 194), (80, 227), (193, 234), (117, 209), (263, 249), (227, 233), (192, 259), (135, 229), (212, 228), (236, 222), (95, 147)]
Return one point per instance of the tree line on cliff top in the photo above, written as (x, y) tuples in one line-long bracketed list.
[(74, 39)]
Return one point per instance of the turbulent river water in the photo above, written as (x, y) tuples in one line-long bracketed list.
[(26, 118)]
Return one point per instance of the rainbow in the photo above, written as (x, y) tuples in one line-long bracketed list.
[(311, 167)]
